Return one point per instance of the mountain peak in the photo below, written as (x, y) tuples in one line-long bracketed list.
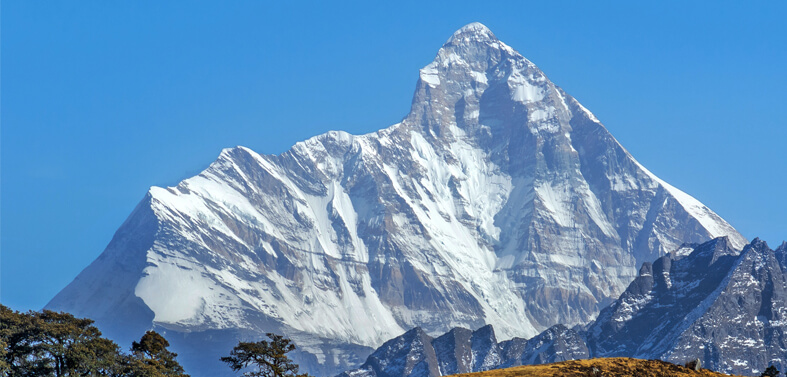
[(344, 241), (474, 31), (470, 62), (759, 244)]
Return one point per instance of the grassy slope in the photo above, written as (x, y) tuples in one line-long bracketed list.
[(608, 367)]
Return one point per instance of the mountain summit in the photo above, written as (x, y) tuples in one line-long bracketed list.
[(474, 31), (499, 199)]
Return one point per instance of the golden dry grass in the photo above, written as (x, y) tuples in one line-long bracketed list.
[(607, 367)]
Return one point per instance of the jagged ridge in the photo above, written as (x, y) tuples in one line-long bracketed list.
[(463, 351), (714, 303)]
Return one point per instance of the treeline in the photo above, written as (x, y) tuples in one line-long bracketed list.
[(55, 344)]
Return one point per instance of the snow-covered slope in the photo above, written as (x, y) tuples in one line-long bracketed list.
[(499, 199)]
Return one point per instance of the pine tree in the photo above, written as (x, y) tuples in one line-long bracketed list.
[(52, 344), (153, 358), (56, 344), (267, 359), (73, 346)]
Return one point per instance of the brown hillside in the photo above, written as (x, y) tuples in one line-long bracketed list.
[(607, 367)]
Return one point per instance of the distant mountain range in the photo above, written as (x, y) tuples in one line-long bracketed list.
[(499, 199), (708, 302)]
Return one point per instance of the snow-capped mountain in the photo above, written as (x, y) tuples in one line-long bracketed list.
[(499, 199), (725, 307)]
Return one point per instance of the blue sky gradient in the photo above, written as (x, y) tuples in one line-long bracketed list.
[(101, 100)]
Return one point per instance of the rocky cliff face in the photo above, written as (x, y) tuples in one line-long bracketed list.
[(661, 298), (499, 199), (463, 351), (708, 302), (726, 308)]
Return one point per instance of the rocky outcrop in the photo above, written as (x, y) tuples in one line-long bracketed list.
[(463, 351), (725, 308)]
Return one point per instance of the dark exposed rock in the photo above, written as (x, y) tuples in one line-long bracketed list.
[(725, 308), (695, 364), (463, 351)]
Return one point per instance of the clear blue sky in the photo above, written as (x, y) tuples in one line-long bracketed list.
[(102, 99)]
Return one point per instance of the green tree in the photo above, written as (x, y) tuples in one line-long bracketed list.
[(151, 351), (71, 346), (5, 333), (12, 340), (56, 344), (266, 359), (52, 344)]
